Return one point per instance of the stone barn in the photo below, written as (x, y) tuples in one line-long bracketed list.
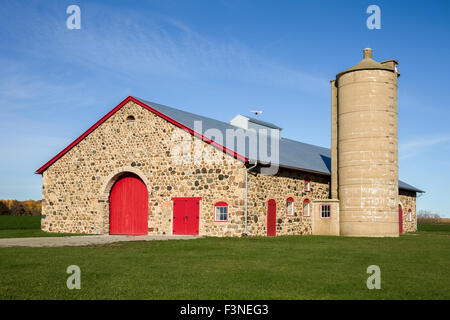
[(145, 168)]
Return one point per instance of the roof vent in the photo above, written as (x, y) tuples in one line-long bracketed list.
[(247, 123)]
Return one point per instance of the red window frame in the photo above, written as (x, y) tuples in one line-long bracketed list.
[(290, 199), (307, 182), (303, 208), (320, 212), (221, 204)]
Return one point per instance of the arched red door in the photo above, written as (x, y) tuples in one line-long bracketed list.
[(128, 206), (271, 218), (400, 219)]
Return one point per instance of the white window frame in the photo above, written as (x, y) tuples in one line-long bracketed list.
[(409, 215), (307, 186), (309, 208), (322, 206), (218, 214), (287, 208)]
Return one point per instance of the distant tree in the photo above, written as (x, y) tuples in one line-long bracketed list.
[(37, 208), (4, 210), (427, 217), (17, 209), (21, 208), (9, 203), (29, 205), (426, 214)]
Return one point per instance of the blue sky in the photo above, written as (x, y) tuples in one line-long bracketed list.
[(217, 58)]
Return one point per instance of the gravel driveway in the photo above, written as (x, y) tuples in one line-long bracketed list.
[(81, 240)]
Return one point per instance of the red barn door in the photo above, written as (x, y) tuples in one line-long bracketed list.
[(128, 206), (271, 218), (400, 219), (186, 215)]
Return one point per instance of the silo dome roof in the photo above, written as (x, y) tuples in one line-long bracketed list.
[(367, 63)]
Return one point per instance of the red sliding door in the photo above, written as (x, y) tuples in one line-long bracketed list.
[(128, 206)]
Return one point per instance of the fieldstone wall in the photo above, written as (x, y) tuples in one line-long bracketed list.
[(77, 186), (287, 183), (408, 201)]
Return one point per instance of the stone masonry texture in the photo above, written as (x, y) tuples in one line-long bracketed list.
[(408, 202), (287, 183)]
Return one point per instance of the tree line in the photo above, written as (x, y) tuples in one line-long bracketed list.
[(20, 208), (427, 217)]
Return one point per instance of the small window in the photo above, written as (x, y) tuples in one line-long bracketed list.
[(325, 211), (306, 207), (221, 211), (130, 119), (409, 215), (307, 185), (290, 206)]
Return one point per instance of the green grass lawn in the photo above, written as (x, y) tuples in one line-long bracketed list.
[(20, 222), (414, 266), (24, 227), (445, 228)]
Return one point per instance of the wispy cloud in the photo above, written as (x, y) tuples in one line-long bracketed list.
[(420, 145), (26, 89), (130, 44)]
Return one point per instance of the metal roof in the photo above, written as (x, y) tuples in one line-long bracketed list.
[(263, 123), (293, 154), (405, 186)]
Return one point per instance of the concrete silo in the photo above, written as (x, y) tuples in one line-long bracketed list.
[(365, 148)]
